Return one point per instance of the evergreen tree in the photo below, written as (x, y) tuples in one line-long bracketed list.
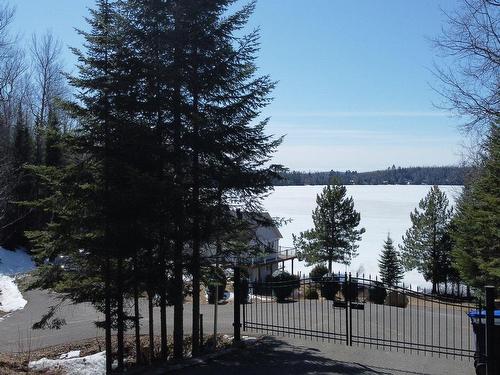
[(53, 140), (476, 251), (18, 219), (391, 269), (335, 233), (423, 244)]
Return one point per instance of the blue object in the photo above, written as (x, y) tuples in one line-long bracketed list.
[(475, 315)]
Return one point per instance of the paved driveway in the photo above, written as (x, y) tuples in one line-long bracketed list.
[(16, 334), (283, 356)]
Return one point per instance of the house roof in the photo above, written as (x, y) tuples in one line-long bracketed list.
[(265, 229)]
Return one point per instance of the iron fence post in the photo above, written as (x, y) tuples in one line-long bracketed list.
[(350, 309), (347, 304), (237, 322), (490, 331)]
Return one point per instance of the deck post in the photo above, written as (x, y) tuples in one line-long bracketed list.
[(292, 265)]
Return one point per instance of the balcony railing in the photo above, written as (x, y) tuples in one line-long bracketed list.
[(283, 253)]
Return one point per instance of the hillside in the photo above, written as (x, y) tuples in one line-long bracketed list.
[(447, 175)]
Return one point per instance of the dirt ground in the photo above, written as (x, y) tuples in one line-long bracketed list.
[(17, 363)]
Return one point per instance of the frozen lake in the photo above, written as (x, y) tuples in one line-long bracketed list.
[(383, 208)]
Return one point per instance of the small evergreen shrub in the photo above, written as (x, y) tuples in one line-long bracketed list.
[(318, 272), (350, 291), (329, 286), (377, 293), (311, 293), (283, 284), (396, 299), (244, 290), (215, 278)]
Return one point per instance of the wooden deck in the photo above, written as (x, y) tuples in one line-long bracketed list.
[(283, 254)]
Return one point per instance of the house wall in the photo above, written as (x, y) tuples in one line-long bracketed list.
[(265, 270)]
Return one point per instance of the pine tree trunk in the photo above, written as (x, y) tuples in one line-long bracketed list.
[(107, 314), (178, 302), (151, 327), (196, 229), (137, 326), (178, 209), (163, 322), (120, 316)]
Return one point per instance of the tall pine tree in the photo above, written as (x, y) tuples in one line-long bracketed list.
[(423, 246), (476, 253), (335, 234)]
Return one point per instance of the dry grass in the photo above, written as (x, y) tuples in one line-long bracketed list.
[(17, 363)]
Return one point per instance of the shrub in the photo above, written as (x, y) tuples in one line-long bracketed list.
[(350, 291), (329, 286), (215, 278), (244, 290), (310, 293), (318, 272), (377, 293), (284, 284), (396, 299)]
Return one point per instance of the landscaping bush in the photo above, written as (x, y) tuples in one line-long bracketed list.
[(377, 293), (215, 278), (350, 291), (396, 299), (329, 286), (318, 272), (311, 293), (284, 284)]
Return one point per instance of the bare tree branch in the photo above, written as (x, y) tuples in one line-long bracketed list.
[(469, 74)]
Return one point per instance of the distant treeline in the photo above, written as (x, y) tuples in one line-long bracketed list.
[(450, 175)]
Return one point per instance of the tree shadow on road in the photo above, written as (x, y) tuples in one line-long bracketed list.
[(275, 357)]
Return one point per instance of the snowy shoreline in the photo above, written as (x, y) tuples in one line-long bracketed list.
[(384, 209)]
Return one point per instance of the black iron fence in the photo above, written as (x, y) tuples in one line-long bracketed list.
[(362, 311)]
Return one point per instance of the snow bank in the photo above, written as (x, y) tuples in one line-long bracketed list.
[(14, 262), (11, 298), (94, 364)]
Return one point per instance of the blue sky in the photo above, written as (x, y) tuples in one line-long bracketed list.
[(354, 87)]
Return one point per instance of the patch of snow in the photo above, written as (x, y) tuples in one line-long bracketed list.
[(71, 354), (11, 264), (383, 208), (11, 298), (253, 297), (15, 262), (94, 364)]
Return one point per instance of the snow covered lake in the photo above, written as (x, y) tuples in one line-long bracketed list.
[(383, 208)]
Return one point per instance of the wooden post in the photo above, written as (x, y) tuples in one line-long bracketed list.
[(491, 361), (292, 265)]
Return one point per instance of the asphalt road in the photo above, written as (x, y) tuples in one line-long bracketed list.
[(16, 334), (422, 325)]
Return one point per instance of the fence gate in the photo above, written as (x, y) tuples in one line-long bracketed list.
[(360, 311)]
